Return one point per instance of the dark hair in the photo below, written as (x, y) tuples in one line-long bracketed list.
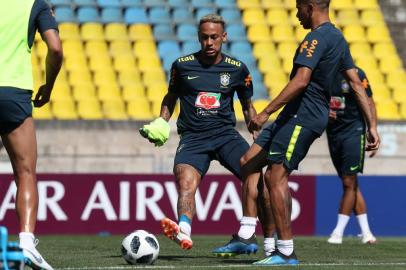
[(213, 18), (323, 4)]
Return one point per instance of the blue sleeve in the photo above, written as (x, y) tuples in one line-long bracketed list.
[(174, 79), (245, 87), (347, 61), (41, 19), (365, 82), (311, 50)]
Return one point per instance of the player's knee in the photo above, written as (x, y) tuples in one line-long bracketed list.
[(350, 182), (186, 180)]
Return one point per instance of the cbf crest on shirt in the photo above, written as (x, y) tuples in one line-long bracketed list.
[(206, 92)]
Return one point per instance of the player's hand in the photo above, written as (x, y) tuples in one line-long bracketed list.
[(43, 95), (332, 116), (373, 140), (258, 121), (255, 134), (157, 132), (372, 153)]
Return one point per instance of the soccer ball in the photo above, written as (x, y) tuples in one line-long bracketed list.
[(140, 247)]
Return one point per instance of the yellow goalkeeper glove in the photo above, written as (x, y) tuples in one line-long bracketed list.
[(156, 132)]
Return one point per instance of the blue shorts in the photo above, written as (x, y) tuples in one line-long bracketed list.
[(347, 152), (286, 143), (199, 149), (14, 110)]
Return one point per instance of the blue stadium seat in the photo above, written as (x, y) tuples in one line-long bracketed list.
[(56, 3), (131, 3), (159, 15), (155, 3), (135, 15), (88, 14), (167, 47), (178, 3), (248, 60), (108, 3), (81, 3), (202, 3), (111, 14), (256, 76), (204, 11), (225, 3), (164, 32), (236, 32), (238, 47), (168, 60), (260, 91), (186, 32), (64, 14), (231, 15), (182, 15), (189, 47)]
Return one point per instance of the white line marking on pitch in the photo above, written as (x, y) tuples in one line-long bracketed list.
[(225, 266)]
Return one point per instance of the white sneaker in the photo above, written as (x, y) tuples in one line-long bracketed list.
[(335, 239), (368, 239), (34, 259)]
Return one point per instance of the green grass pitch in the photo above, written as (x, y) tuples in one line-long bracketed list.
[(103, 253)]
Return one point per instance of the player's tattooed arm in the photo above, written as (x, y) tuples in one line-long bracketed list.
[(168, 105)]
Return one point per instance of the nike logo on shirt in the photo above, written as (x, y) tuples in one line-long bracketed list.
[(192, 77)]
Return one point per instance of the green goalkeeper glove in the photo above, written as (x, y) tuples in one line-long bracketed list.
[(156, 132)]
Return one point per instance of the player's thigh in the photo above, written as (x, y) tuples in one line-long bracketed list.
[(290, 145), (233, 147), (336, 151), (195, 152), (353, 154)]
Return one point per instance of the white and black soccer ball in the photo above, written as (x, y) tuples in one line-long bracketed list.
[(140, 247)]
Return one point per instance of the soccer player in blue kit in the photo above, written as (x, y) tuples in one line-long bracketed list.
[(319, 58), (346, 141), (205, 83)]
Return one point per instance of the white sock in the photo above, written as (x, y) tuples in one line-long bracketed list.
[(285, 246), (26, 239), (247, 227), (342, 222), (363, 223), (269, 245), (185, 227)]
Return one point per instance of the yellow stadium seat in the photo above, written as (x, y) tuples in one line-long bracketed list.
[(156, 107), (384, 49), (276, 16), (375, 77), (140, 32), (388, 110), (64, 109), (151, 77), (61, 91), (133, 91), (104, 77), (287, 49), (354, 33), (260, 104), (96, 48), (290, 4), (69, 31), (43, 113), (71, 47), (89, 109), (396, 78), (76, 62), (275, 78), (144, 47), (399, 94), (300, 33), (287, 64), (108, 92), (293, 19), (238, 110), (127, 77), (124, 62), (372, 17), (272, 3), (348, 17), (269, 63), (157, 91), (263, 48), (282, 33), (101, 62), (79, 76), (114, 109), (38, 78), (92, 31), (380, 92), (40, 49), (37, 37), (378, 33), (84, 91), (390, 64), (366, 4), (360, 49), (403, 110), (149, 64), (252, 16), (116, 31), (243, 4), (258, 32), (119, 47), (139, 109), (367, 63), (341, 4)]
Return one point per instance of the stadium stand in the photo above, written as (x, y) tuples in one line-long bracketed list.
[(118, 52)]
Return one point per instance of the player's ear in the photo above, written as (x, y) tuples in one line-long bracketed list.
[(225, 37)]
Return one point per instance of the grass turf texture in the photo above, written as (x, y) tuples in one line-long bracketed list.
[(103, 252)]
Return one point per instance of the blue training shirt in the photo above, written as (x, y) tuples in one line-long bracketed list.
[(326, 52), (206, 92)]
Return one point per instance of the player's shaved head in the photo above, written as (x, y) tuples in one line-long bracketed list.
[(212, 18), (322, 4)]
